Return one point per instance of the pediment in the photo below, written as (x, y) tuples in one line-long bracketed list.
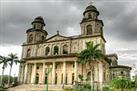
[(57, 37)]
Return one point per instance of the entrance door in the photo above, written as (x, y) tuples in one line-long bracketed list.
[(37, 78)]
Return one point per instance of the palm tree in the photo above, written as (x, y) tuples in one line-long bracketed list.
[(12, 58), (90, 55), (3, 60)]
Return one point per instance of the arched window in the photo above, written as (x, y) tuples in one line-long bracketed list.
[(65, 49), (30, 39), (122, 73), (61, 78), (46, 78), (56, 78), (89, 15), (28, 52), (72, 78), (89, 29), (56, 50), (34, 26), (66, 81), (89, 76), (47, 50), (42, 38)]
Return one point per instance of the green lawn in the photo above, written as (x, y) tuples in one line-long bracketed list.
[(124, 89)]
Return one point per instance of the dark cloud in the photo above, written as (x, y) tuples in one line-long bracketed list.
[(128, 57), (15, 18)]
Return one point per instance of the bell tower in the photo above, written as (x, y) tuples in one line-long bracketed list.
[(37, 33), (90, 24)]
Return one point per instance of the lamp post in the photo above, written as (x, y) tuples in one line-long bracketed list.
[(48, 70)]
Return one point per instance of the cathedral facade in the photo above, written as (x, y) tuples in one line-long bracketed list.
[(53, 60)]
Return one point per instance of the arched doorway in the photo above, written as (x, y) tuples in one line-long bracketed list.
[(37, 78), (72, 78), (89, 76), (46, 78)]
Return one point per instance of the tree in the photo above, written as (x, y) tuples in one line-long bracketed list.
[(3, 61), (121, 83), (90, 55), (12, 58), (134, 83)]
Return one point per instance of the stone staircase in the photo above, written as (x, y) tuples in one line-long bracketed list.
[(32, 87)]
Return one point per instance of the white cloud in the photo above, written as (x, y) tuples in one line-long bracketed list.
[(7, 49), (71, 31), (74, 9)]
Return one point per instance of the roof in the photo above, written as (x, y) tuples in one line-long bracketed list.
[(91, 8), (39, 19), (112, 55), (32, 29), (120, 66)]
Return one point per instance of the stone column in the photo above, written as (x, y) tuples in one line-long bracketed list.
[(100, 72), (53, 73), (100, 75), (43, 74), (76, 71), (20, 73), (26, 72), (23, 73), (96, 70), (34, 73), (64, 72)]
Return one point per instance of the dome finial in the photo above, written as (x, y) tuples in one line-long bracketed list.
[(57, 32), (91, 3)]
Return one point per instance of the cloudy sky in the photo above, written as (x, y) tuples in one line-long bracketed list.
[(119, 17)]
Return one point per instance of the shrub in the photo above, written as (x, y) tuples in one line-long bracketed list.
[(106, 88), (67, 89)]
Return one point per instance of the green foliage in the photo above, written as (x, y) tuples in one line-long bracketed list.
[(121, 83), (135, 82), (81, 77), (4, 61), (5, 79), (91, 53), (67, 89), (82, 87), (106, 88)]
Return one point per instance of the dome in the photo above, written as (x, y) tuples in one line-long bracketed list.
[(39, 19), (91, 8)]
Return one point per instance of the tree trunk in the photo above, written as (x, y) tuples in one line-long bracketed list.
[(82, 69), (122, 89), (9, 76), (92, 76), (2, 76)]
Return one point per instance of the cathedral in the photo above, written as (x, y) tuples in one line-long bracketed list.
[(53, 60)]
